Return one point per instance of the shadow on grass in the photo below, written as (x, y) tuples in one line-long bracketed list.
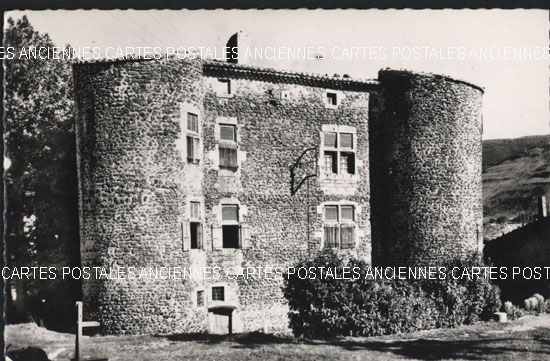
[(251, 338), (527, 345), (27, 354)]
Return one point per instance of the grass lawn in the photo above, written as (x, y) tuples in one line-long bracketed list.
[(524, 339)]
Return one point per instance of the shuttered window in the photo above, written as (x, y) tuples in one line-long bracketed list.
[(338, 153)]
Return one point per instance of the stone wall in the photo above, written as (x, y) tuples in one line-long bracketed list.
[(417, 145), (426, 169), (133, 189), (136, 184)]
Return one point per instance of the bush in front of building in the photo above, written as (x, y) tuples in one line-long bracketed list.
[(327, 306)]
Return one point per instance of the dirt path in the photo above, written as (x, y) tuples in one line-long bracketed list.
[(525, 339)]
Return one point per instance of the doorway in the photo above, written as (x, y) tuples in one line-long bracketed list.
[(221, 320)]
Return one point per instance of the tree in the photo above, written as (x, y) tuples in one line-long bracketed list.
[(41, 183)]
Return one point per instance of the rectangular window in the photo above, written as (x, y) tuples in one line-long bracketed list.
[(331, 236), (331, 140), (332, 98), (347, 213), (330, 163), (228, 132), (218, 293), (228, 147), (339, 226), (195, 210), (224, 87), (230, 226), (230, 213), (196, 235), (192, 122), (192, 149), (331, 213), (200, 298), (339, 153), (347, 163), (347, 234)]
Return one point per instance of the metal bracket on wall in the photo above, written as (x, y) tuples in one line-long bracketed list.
[(294, 183)]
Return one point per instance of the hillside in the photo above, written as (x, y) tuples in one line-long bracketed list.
[(496, 151), (516, 173)]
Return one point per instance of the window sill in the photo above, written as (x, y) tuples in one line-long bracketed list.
[(229, 169), (350, 177)]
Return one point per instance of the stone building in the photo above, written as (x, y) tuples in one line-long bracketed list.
[(204, 164)]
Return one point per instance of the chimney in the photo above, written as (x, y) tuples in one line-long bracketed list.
[(236, 48), (542, 207)]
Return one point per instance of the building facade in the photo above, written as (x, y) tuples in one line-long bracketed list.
[(213, 165)]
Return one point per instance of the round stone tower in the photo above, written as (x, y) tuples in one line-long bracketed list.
[(426, 169), (133, 183)]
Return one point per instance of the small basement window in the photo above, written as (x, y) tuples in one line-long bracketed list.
[(224, 87), (332, 99), (218, 293)]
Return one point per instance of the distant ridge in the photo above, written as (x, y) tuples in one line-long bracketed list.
[(498, 150), (515, 173)]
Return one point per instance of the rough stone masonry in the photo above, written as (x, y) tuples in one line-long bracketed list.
[(186, 163)]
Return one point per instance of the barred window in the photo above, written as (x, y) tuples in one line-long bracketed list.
[(218, 293), (339, 226)]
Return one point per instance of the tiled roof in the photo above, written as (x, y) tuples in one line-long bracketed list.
[(224, 69)]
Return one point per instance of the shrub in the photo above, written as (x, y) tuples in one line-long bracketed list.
[(513, 311), (328, 307), (534, 303)]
